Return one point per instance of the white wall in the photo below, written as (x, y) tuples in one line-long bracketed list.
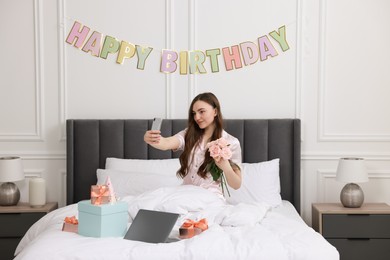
[(333, 77)]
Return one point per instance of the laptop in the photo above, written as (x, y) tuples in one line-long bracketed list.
[(152, 226)]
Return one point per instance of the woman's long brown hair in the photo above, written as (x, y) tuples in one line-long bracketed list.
[(194, 135)]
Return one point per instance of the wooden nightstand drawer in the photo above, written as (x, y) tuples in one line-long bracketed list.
[(17, 224), (363, 249), (14, 223), (8, 246), (356, 226), (357, 233)]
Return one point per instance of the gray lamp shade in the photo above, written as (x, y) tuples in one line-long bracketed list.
[(11, 169)]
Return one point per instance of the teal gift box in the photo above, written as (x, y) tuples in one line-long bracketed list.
[(106, 220)]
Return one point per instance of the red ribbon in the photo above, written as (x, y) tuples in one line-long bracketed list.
[(192, 228), (71, 220), (201, 224)]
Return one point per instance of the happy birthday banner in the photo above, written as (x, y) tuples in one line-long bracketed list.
[(187, 61)]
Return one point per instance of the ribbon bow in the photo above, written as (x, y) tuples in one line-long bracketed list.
[(201, 224), (70, 224), (191, 228), (71, 220), (98, 192)]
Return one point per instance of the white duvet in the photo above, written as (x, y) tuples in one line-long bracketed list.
[(243, 231)]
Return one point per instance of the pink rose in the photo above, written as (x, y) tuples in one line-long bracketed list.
[(219, 147), (208, 145), (214, 151), (222, 142), (226, 153)]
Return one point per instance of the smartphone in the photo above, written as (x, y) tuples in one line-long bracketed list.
[(156, 125)]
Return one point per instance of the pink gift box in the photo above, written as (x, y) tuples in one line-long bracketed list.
[(100, 194), (69, 227)]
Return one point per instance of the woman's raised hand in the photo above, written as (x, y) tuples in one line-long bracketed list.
[(152, 136)]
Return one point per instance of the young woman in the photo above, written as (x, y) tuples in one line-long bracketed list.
[(204, 125)]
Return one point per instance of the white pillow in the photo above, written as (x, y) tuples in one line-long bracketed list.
[(162, 167), (135, 183), (260, 183)]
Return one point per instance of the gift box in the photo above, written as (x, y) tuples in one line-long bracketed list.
[(69, 227), (100, 194), (192, 228), (71, 224), (106, 220)]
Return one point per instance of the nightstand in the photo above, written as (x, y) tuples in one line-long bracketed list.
[(14, 223), (357, 233)]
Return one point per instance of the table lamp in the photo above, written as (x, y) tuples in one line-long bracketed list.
[(11, 170), (352, 171)]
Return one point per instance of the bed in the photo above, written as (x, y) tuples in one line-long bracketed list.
[(259, 221)]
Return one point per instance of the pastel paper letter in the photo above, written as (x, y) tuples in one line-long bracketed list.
[(126, 51), (75, 33), (230, 57), (183, 62), (281, 38), (266, 48), (93, 44), (250, 52), (197, 59), (168, 61), (213, 54), (142, 54), (110, 45)]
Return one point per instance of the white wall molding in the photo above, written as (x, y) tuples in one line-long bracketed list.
[(169, 34), (35, 155), (29, 173), (323, 134), (323, 175), (36, 136), (298, 64), (192, 83), (62, 188), (368, 156), (62, 70), (39, 59)]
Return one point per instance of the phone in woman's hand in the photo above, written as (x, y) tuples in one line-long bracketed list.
[(156, 125)]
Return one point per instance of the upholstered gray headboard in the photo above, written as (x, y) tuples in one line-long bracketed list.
[(90, 142)]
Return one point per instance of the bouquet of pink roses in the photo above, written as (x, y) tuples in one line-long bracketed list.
[(219, 148)]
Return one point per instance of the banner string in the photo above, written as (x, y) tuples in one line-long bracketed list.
[(72, 20)]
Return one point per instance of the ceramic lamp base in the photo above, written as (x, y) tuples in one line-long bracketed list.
[(9, 194), (352, 196)]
